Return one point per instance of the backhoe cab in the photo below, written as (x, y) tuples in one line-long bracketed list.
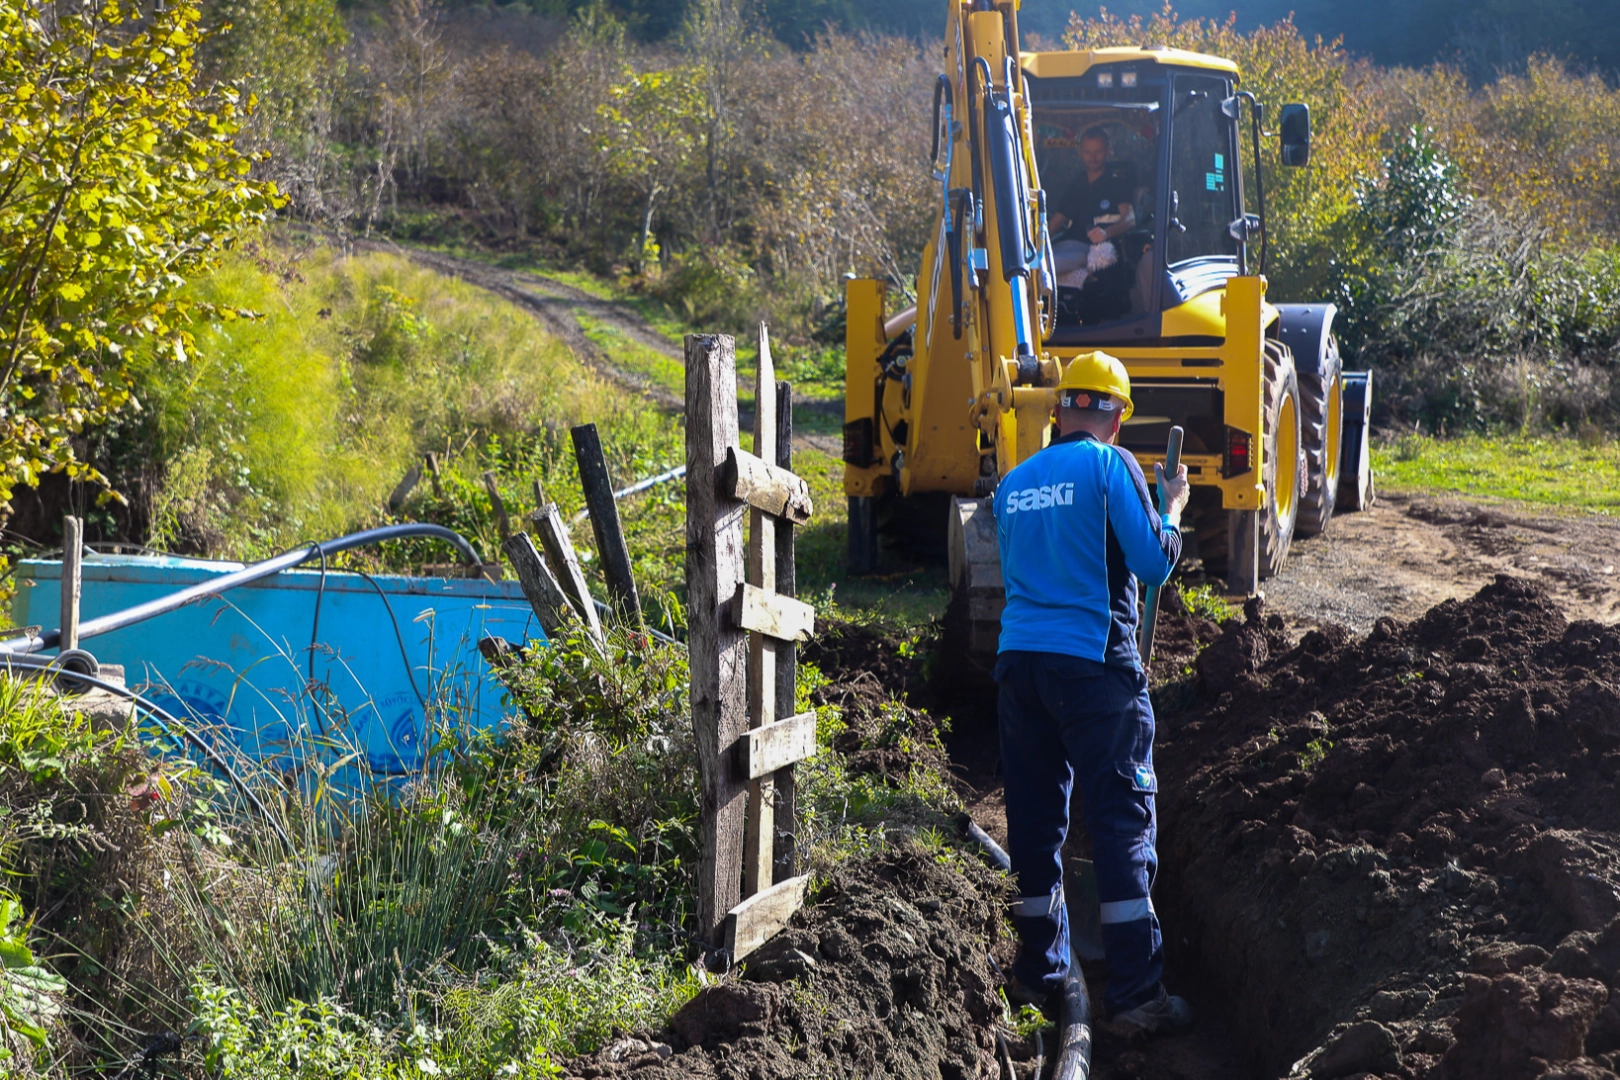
[(943, 399)]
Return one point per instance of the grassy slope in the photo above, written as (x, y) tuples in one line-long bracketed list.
[(907, 593), (1552, 470)]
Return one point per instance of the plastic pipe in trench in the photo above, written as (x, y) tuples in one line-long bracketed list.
[(1074, 1054)]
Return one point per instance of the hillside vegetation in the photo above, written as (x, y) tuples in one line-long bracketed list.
[(1464, 224)]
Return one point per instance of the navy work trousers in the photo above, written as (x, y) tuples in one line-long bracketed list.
[(1063, 718)]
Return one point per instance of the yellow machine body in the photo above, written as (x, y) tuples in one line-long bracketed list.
[(948, 396)]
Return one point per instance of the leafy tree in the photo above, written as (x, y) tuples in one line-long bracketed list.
[(119, 180), (652, 127), (287, 53)]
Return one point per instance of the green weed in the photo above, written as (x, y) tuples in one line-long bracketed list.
[(1206, 602)]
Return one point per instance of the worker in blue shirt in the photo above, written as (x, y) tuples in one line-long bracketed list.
[(1078, 529)]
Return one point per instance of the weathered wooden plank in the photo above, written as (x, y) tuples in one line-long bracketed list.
[(402, 490), (72, 580), (605, 524), (775, 746), (559, 549), (781, 617), (758, 919), (545, 595), (502, 522), (787, 653), (714, 569), (759, 848), (765, 486)]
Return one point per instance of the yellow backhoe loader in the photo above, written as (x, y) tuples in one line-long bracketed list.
[(942, 399)]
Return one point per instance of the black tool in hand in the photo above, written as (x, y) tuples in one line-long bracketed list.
[(1150, 608)]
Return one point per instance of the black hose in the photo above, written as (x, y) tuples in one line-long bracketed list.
[(1074, 1047), (164, 719)]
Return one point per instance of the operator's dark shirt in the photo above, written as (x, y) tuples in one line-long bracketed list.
[(1085, 201)]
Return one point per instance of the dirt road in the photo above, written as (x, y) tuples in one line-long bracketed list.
[(560, 307), (1411, 551)]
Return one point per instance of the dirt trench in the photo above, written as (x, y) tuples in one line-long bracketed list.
[(1400, 851), (1386, 856)]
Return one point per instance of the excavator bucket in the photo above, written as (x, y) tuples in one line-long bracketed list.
[(973, 622)]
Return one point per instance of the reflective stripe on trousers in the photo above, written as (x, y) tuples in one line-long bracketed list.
[(1065, 720)]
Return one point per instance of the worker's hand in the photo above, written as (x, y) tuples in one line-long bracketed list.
[(1058, 222), (1097, 234), (1173, 493)]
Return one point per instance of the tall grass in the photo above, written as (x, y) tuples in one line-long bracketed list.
[(297, 420)]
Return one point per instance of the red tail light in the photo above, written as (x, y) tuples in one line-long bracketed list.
[(1238, 459)]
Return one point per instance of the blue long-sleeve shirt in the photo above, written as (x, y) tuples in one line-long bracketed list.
[(1077, 528)]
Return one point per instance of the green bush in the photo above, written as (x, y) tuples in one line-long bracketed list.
[(1474, 318)]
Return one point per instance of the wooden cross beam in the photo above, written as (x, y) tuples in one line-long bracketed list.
[(743, 753)]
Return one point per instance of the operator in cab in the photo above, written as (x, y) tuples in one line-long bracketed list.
[(1094, 210), (1078, 528)]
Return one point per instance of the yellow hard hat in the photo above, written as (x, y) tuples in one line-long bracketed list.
[(1099, 373)]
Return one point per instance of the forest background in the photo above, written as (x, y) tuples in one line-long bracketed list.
[(727, 161), (211, 350)]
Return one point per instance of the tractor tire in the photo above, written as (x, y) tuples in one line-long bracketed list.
[(1283, 469), (1321, 429)]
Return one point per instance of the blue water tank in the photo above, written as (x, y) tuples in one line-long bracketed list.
[(391, 653)]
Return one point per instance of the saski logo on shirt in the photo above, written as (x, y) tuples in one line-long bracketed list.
[(1040, 498)]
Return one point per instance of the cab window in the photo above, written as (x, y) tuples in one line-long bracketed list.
[(1204, 177)]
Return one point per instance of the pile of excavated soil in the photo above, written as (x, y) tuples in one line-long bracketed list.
[(1401, 852), (879, 682), (884, 974)]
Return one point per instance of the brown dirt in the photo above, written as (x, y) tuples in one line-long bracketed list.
[(1412, 551), (1399, 854), (884, 975)]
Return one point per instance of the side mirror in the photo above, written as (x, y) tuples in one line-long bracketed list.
[(1295, 127)]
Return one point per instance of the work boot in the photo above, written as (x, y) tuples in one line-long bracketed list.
[(1164, 1014)]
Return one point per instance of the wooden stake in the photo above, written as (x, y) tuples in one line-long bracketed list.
[(605, 524), (760, 846), (435, 475), (787, 653), (72, 580), (544, 593), (714, 568), (502, 522), (396, 500), (559, 549)]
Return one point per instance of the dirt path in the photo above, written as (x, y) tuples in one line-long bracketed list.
[(1411, 551), (559, 307)]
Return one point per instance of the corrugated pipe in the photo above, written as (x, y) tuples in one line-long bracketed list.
[(1074, 1047)]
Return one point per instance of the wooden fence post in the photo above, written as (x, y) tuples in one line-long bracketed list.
[(746, 741), (787, 652), (605, 524), (435, 474), (542, 589), (72, 580), (402, 491), (759, 852), (714, 569), (559, 549)]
